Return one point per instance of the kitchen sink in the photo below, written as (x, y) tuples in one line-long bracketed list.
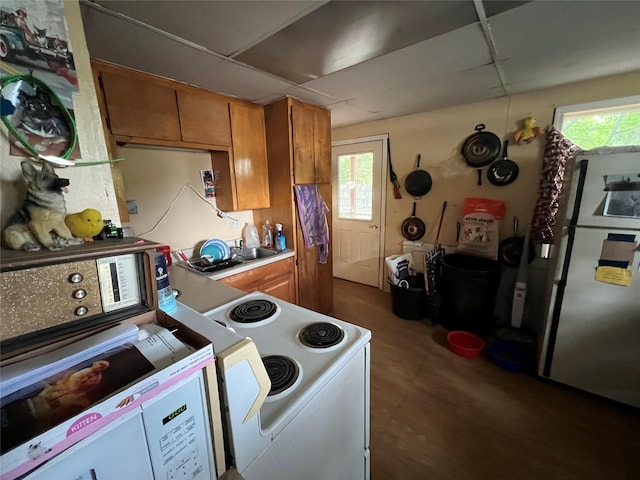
[(255, 253), (206, 267)]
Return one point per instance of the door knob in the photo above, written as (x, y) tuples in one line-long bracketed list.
[(374, 227)]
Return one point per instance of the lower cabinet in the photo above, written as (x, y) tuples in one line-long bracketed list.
[(275, 279)]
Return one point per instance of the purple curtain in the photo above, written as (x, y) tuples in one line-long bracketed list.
[(557, 153)]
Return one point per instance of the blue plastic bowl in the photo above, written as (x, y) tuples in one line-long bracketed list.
[(509, 356)]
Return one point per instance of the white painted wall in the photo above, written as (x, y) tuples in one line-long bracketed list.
[(154, 178), (439, 136), (90, 186)]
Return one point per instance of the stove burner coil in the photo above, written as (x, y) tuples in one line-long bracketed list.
[(283, 372), (321, 335), (253, 311)]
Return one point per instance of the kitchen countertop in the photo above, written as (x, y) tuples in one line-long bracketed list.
[(203, 293), (243, 267)]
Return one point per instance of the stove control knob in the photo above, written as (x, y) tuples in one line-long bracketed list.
[(81, 310)]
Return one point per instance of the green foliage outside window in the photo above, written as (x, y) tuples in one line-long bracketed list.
[(603, 130)]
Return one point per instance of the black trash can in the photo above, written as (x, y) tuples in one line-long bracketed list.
[(469, 286), (410, 303)]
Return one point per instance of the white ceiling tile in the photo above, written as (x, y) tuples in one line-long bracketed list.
[(343, 114), (548, 43), (239, 81), (459, 50), (126, 44), (225, 27), (464, 87)]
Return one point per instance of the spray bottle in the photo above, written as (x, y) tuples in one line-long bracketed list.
[(281, 243)]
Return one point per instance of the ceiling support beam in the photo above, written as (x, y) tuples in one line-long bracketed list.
[(486, 30)]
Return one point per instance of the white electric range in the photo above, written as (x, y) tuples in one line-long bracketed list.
[(296, 395)]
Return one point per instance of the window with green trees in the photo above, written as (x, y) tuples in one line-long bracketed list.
[(355, 186), (613, 123)]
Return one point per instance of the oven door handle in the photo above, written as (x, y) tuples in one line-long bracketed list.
[(246, 350)]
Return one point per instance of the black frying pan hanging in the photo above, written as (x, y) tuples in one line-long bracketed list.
[(418, 182), (480, 149), (413, 228), (504, 171)]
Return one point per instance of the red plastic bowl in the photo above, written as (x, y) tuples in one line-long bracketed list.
[(465, 344)]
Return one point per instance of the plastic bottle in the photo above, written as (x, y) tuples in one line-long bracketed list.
[(267, 235), (281, 243), (250, 235), (166, 300)]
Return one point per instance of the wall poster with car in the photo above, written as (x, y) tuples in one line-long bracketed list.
[(38, 77)]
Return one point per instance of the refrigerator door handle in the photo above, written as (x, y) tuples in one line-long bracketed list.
[(582, 177)]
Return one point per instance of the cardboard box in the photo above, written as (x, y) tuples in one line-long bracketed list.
[(32, 453)]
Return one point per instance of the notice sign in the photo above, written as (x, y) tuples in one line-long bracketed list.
[(615, 275)]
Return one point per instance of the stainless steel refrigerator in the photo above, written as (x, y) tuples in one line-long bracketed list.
[(592, 330)]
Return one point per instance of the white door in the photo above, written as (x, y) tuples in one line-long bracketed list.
[(357, 210)]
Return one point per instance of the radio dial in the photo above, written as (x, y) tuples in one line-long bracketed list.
[(76, 278), (80, 293)]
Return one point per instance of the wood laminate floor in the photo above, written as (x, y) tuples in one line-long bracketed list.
[(435, 415)]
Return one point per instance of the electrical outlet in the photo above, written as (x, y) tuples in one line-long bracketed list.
[(233, 223)]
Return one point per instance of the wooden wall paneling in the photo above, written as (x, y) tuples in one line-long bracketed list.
[(204, 117)]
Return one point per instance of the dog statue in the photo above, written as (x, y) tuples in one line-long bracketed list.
[(41, 213)]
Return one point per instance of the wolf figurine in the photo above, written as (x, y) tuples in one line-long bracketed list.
[(41, 213)]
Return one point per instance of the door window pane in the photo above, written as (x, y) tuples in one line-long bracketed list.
[(355, 186)]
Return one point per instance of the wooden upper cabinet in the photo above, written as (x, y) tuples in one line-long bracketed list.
[(242, 181), (322, 145), (139, 108), (304, 169), (311, 127), (204, 117)]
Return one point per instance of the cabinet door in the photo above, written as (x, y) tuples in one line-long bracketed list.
[(315, 279), (302, 123), (204, 117), (249, 156), (140, 108), (275, 279), (322, 145)]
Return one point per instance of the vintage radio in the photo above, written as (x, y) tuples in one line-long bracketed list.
[(45, 296)]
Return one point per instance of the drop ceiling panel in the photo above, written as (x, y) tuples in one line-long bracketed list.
[(343, 114), (464, 87), (548, 43), (230, 78), (124, 43), (301, 93), (451, 52), (225, 27), (341, 34)]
